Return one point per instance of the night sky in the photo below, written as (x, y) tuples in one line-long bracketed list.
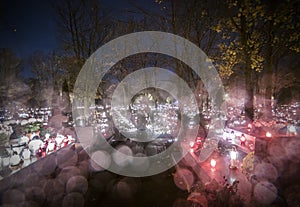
[(29, 26)]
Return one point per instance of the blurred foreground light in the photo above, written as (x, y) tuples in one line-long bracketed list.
[(192, 144), (213, 163), (233, 155), (100, 160), (233, 159), (268, 134)]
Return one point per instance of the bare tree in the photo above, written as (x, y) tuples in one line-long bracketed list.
[(83, 26), (49, 75), (280, 40), (47, 67), (13, 90), (193, 20)]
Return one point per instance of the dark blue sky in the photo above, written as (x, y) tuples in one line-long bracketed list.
[(27, 26)]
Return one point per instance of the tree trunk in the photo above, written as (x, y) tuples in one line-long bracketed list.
[(268, 83), (249, 108)]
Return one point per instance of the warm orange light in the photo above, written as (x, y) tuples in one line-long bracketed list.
[(213, 163)]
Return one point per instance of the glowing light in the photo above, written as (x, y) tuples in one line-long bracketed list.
[(268, 134), (249, 125), (233, 159), (213, 163), (233, 155), (292, 130), (192, 144)]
